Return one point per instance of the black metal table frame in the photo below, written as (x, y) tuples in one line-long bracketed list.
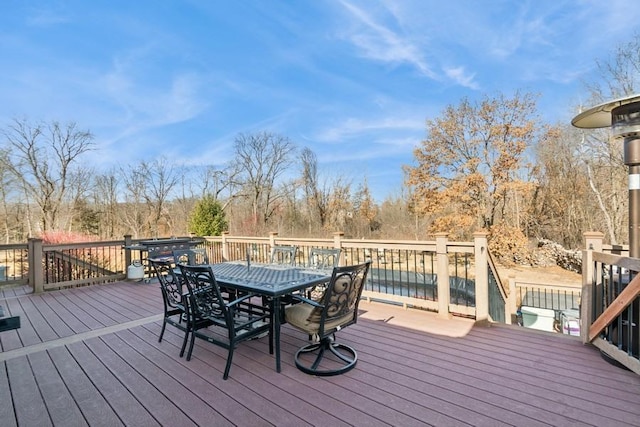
[(272, 281)]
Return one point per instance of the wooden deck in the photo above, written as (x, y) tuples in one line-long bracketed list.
[(90, 356)]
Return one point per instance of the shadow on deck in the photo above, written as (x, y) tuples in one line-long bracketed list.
[(90, 356)]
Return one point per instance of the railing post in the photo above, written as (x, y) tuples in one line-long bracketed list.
[(442, 263), (482, 275), (127, 252), (592, 243), (225, 248), (512, 303), (36, 275), (337, 244), (272, 238)]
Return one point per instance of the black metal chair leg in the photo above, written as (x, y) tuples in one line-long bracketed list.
[(184, 342), (164, 326), (193, 340), (228, 366)]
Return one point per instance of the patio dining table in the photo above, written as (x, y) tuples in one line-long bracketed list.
[(271, 281)]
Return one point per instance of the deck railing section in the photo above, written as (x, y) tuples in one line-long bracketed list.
[(81, 264), (450, 278), (438, 275), (610, 311), (549, 296), (14, 264)]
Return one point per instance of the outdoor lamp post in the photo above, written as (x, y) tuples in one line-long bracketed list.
[(623, 116)]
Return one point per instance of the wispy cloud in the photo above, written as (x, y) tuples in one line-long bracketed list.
[(459, 76), (379, 42), (148, 102), (354, 127)]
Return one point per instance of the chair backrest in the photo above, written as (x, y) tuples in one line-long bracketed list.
[(169, 282), (205, 298), (324, 258), (341, 298), (192, 256), (283, 255)]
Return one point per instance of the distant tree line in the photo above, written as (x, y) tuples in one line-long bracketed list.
[(488, 165), (46, 187)]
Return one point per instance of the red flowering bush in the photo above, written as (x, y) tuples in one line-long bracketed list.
[(59, 237)]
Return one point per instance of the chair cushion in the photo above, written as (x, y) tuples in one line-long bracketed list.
[(300, 316)]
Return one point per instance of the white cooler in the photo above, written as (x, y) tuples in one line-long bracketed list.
[(538, 318)]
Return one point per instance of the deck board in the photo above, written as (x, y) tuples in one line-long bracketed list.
[(42, 328), (67, 315), (60, 404), (154, 402), (52, 314), (510, 384), (26, 333), (233, 395), (256, 370), (129, 410), (85, 312), (484, 376), (90, 401), (184, 398), (30, 408), (7, 414)]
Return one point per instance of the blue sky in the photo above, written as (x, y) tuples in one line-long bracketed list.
[(354, 80)]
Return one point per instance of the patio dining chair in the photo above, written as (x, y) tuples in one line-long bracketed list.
[(322, 259), (191, 256), (337, 309), (237, 320), (283, 255), (174, 301)]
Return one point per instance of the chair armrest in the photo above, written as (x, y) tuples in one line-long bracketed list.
[(307, 300), (239, 300)]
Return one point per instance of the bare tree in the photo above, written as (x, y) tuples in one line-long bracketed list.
[(42, 157), (221, 183), (262, 160), (316, 196), (619, 75), (105, 199), (340, 207), (160, 177), (6, 187), (132, 213), (561, 208)]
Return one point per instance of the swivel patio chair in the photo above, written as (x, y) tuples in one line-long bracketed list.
[(283, 255), (337, 309), (241, 319), (175, 311)]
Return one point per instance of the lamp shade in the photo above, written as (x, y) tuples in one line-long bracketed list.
[(600, 115)]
